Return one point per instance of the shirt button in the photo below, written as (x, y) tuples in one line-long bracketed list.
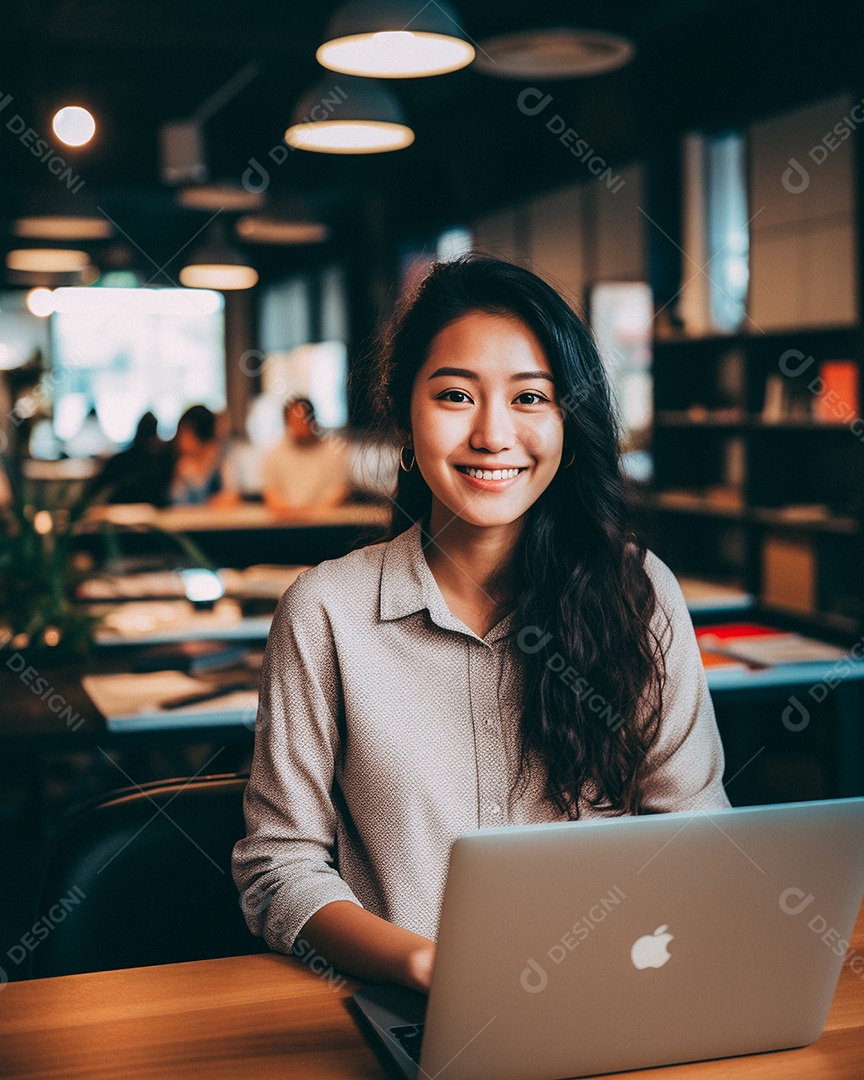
[(490, 722), (494, 809)]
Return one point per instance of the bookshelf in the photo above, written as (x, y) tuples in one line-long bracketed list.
[(758, 483)]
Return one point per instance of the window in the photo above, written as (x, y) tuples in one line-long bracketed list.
[(622, 321), (304, 330), (728, 240), (715, 265), (120, 352)]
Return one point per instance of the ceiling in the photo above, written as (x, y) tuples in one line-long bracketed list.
[(138, 64)]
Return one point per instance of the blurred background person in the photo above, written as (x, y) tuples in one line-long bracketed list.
[(139, 474), (308, 469), (200, 475)]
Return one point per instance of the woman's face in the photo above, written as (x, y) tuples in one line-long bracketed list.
[(188, 443), (485, 425)]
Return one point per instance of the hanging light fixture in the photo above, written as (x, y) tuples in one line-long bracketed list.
[(392, 39), (74, 125), (49, 212), (257, 229), (48, 260), (62, 227), (557, 52), (53, 279), (40, 301), (222, 196), (218, 265), (355, 116)]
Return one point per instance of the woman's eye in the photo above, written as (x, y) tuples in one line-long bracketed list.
[(536, 399), (456, 396)]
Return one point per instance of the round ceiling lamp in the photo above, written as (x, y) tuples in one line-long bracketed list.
[(354, 117), (213, 197), (74, 125), (48, 260), (392, 39), (40, 301), (218, 265), (272, 230), (62, 227), (554, 53)]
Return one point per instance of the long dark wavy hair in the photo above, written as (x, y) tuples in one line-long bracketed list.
[(593, 666)]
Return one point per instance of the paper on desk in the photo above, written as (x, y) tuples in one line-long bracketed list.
[(132, 701), (706, 595), (262, 580), (781, 648), (155, 622)]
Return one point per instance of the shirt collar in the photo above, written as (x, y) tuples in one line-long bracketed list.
[(408, 586)]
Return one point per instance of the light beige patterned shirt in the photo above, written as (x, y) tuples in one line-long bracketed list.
[(386, 727)]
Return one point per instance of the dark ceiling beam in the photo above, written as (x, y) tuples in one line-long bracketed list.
[(290, 31)]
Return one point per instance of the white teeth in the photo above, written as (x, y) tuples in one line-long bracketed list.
[(492, 474)]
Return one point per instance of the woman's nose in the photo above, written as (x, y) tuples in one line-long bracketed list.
[(493, 428)]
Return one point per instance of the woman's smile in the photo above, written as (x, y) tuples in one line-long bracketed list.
[(489, 478)]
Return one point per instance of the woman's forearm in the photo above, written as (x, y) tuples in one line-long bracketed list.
[(354, 940)]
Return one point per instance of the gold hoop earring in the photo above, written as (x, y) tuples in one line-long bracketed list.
[(570, 462), (402, 465)]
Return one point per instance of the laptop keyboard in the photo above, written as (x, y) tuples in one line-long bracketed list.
[(409, 1037)]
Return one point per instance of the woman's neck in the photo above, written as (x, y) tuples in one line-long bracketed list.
[(471, 564)]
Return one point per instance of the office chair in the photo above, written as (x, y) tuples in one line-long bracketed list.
[(142, 876)]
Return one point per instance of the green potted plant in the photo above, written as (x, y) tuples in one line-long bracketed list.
[(39, 576)]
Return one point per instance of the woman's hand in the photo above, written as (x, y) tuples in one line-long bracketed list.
[(360, 943)]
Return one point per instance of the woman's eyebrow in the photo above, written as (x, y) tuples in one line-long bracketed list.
[(526, 375), (460, 373), (465, 373)]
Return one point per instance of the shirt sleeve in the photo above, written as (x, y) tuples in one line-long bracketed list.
[(285, 868), (684, 766)]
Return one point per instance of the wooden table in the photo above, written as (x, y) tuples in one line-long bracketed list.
[(245, 534), (271, 1016)]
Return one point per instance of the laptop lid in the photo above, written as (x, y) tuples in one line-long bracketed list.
[(604, 945)]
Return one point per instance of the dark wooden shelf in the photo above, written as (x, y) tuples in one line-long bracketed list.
[(681, 418), (710, 438), (796, 425), (794, 332), (765, 516), (830, 621), (696, 505), (775, 518)]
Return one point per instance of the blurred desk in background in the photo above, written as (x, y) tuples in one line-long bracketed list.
[(243, 535), (704, 597)]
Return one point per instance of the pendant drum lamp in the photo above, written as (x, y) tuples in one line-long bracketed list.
[(349, 115), (47, 260), (557, 52), (395, 39), (51, 212), (217, 264)]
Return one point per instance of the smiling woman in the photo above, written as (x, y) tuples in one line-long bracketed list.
[(513, 655), (487, 440)]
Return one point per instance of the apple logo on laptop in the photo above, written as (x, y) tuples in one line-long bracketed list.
[(651, 950)]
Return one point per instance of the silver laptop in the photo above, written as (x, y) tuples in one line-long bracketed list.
[(588, 947)]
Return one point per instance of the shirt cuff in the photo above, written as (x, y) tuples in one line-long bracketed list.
[(291, 909)]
